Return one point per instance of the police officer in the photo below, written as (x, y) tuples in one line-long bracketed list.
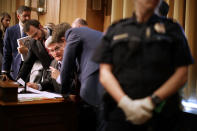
[(143, 63)]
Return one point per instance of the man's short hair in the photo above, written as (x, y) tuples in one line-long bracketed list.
[(48, 41), (3, 15), (163, 8), (79, 22), (29, 23), (59, 32), (82, 21), (23, 8)]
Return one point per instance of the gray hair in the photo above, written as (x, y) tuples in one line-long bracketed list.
[(23, 8)]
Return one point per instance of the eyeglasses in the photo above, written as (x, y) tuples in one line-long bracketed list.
[(56, 49)]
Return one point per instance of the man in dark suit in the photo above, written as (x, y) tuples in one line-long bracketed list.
[(11, 58), (80, 44), (37, 50)]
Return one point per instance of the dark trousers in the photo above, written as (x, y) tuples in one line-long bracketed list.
[(90, 118)]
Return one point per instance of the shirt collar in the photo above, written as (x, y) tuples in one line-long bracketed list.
[(21, 28)]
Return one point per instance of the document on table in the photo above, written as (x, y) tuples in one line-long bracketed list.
[(36, 94)]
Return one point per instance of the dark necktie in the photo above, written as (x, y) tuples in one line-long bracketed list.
[(59, 66)]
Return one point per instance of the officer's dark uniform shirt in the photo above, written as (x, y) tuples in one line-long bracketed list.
[(144, 55)]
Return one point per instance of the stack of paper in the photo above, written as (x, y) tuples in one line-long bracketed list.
[(36, 95)]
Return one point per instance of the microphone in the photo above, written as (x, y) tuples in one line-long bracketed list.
[(25, 87)]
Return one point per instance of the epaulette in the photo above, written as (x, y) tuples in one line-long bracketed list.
[(115, 25), (122, 21)]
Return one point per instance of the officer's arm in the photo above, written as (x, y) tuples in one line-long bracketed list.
[(110, 83), (171, 86)]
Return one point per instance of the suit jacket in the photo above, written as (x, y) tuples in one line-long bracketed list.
[(48, 83), (37, 51), (11, 57), (81, 42)]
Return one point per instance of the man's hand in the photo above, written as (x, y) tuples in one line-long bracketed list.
[(137, 111), (33, 85), (54, 73), (23, 50), (5, 76)]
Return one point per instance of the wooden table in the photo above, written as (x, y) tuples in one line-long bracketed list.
[(39, 115)]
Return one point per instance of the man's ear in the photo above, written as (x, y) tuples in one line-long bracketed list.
[(18, 16)]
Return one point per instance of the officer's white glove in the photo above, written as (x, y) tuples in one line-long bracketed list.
[(137, 111)]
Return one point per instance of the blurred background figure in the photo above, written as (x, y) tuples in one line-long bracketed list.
[(11, 58), (79, 22), (5, 21)]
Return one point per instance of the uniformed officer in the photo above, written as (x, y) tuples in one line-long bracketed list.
[(143, 63)]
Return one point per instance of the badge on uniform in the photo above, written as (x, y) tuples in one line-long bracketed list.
[(148, 32), (160, 28), (121, 36)]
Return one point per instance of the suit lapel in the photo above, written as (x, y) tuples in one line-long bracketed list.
[(18, 32), (42, 54), (54, 64)]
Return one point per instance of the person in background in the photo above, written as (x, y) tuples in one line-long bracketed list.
[(143, 63), (37, 53), (55, 45), (79, 22), (5, 21), (11, 58)]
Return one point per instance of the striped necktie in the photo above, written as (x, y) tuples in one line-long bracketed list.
[(59, 65)]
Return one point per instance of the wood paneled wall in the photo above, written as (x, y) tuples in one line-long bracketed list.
[(117, 10), (72, 9), (179, 11), (121, 9), (95, 17), (52, 14), (9, 6), (128, 8), (191, 33)]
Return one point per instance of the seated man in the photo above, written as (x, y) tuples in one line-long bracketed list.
[(55, 45)]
